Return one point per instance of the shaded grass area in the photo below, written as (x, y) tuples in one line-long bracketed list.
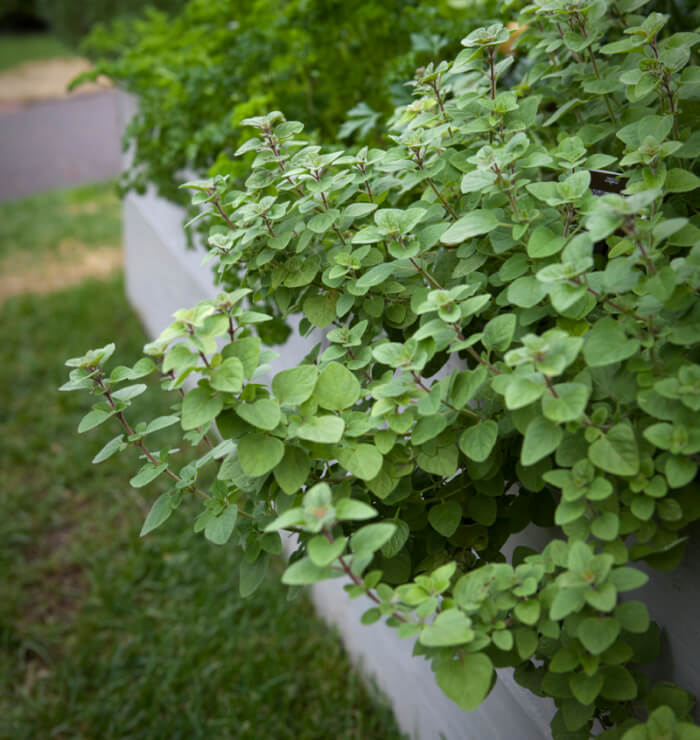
[(30, 47), (107, 635), (32, 227)]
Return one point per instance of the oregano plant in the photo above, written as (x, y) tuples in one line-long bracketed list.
[(509, 295)]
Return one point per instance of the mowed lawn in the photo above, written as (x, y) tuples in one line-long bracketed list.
[(104, 634), (30, 47)]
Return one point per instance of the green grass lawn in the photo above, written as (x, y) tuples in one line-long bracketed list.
[(89, 214), (104, 634), (15, 50)]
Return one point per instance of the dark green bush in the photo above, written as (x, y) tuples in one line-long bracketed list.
[(199, 74), (71, 20)]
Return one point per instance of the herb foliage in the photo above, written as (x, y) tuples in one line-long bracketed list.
[(505, 347)]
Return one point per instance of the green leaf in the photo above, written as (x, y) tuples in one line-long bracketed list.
[(327, 429), (368, 235), (680, 471), (251, 575), (451, 627), (336, 388), (607, 343), (619, 684), (598, 634), (322, 552), (477, 442), (290, 518), (220, 528), (129, 392), (320, 310), (377, 274), (147, 473), (522, 390), (259, 454), (483, 510), (442, 461), (503, 639), (498, 333), (349, 509), (444, 518), (475, 223), (633, 616), (199, 407), (263, 414), (110, 448), (606, 526), (681, 181), (357, 210), (160, 512), (585, 688), (228, 376), (304, 572), (293, 470), (466, 680), (321, 222), (616, 451), (570, 403), (371, 537), (627, 579), (466, 384), (542, 437), (544, 242), (363, 461), (526, 291), (294, 386), (427, 428), (528, 612), (247, 350), (371, 616), (93, 419), (162, 422), (565, 601), (394, 545), (526, 641)]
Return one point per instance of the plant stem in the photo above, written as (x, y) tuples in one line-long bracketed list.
[(441, 199), (474, 353), (548, 381), (357, 580), (140, 444), (569, 217), (492, 72), (466, 412), (573, 53), (428, 277), (609, 301), (222, 213)]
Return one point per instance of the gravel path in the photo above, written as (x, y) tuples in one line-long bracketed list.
[(58, 143)]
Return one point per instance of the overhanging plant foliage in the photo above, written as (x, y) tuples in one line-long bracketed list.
[(506, 345)]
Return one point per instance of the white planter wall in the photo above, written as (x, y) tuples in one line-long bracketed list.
[(163, 276)]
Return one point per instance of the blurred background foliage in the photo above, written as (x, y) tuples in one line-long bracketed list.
[(201, 71)]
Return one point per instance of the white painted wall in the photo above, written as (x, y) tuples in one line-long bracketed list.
[(163, 276)]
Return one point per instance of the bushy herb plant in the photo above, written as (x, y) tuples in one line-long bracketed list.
[(507, 344)]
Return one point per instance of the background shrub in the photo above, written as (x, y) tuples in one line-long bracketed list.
[(199, 74)]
